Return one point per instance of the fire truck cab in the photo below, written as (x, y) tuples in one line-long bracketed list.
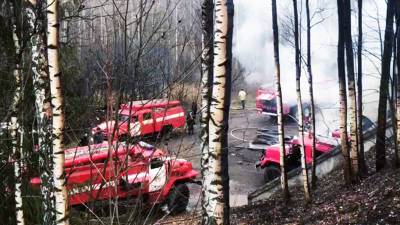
[(144, 172), (270, 159), (140, 118)]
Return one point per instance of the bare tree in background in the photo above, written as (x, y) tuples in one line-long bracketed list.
[(343, 94), (281, 129), (216, 204), (383, 89), (396, 150), (310, 83), (53, 53), (361, 158), (351, 89), (300, 104)]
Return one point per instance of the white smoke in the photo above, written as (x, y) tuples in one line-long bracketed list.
[(253, 47)]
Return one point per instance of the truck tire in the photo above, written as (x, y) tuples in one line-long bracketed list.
[(178, 199), (271, 172)]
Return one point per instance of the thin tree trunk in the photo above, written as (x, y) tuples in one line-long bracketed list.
[(393, 95), (343, 96), (310, 83), (300, 105), (35, 19), (361, 158), (281, 130), (17, 98), (383, 90), (206, 90), (397, 153), (53, 52), (351, 90), (216, 208)]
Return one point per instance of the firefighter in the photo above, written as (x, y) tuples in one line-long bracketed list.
[(84, 140), (242, 97), (190, 123), (98, 136), (194, 111)]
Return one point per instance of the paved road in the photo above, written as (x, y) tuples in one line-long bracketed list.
[(244, 177)]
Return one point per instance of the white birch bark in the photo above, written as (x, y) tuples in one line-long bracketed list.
[(215, 201), (35, 21), (206, 89), (281, 130), (300, 105), (351, 86), (16, 147), (60, 191)]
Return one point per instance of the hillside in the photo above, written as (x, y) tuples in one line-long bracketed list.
[(375, 200)]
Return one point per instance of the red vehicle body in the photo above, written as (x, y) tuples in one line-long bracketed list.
[(266, 104), (144, 172), (270, 160), (145, 117)]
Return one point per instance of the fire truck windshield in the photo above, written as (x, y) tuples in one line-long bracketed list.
[(125, 118)]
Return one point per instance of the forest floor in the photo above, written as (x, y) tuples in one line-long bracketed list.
[(374, 200)]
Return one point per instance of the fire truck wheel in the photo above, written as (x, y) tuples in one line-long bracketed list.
[(271, 172), (178, 199)]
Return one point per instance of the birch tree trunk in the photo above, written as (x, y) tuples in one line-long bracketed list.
[(216, 205), (310, 83), (300, 104), (343, 96), (383, 90), (14, 124), (35, 20), (281, 130), (397, 155), (60, 191), (361, 158), (351, 90), (207, 20)]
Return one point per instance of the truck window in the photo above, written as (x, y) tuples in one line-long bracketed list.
[(156, 163), (147, 116), (125, 118)]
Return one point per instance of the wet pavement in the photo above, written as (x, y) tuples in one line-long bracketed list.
[(244, 177)]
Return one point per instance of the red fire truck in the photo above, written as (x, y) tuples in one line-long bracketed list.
[(266, 104), (143, 171), (270, 159), (140, 118)]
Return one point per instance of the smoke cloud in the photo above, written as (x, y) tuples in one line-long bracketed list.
[(253, 47)]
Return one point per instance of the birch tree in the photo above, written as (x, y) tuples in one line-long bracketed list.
[(299, 103), (342, 95), (361, 158), (35, 20), (351, 89), (60, 191), (383, 89), (310, 83), (14, 123), (216, 206), (281, 130), (397, 152), (207, 20)]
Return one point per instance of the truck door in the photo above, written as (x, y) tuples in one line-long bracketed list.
[(147, 123), (157, 175)]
